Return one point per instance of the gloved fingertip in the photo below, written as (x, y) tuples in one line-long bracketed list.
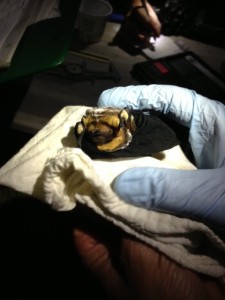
[(129, 187), (121, 184)]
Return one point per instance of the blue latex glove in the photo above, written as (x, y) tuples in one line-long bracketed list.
[(198, 194)]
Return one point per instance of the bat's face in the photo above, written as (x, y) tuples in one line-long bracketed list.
[(109, 129), (100, 133)]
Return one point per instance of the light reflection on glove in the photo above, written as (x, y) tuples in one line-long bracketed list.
[(198, 194)]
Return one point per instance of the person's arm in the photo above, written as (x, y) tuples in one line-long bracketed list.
[(128, 269)]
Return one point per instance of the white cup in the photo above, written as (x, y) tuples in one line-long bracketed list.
[(92, 18)]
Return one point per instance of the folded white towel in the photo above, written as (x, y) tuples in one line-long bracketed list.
[(51, 168)]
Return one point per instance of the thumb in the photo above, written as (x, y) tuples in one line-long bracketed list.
[(197, 194)]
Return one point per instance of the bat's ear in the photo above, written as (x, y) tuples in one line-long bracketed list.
[(127, 119), (85, 120), (79, 131), (124, 114)]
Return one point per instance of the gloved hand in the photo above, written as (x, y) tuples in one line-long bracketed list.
[(197, 194)]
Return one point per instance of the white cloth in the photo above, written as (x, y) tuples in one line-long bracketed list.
[(51, 168)]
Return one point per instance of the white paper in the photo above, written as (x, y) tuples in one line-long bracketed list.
[(163, 46)]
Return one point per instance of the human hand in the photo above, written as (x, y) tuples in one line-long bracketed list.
[(146, 19), (195, 194), (128, 269), (142, 24)]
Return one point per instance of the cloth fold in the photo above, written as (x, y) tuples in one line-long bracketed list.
[(53, 169)]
